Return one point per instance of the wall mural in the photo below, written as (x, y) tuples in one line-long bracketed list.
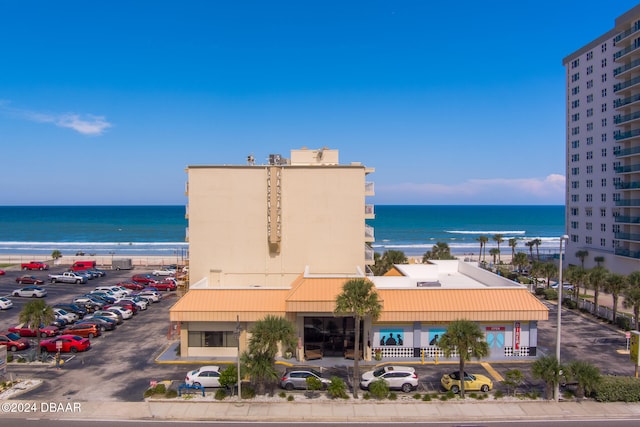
[(391, 337), (434, 335)]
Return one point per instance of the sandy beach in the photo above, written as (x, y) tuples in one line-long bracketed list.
[(104, 262)]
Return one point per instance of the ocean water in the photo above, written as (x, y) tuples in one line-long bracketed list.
[(160, 230), (415, 229)]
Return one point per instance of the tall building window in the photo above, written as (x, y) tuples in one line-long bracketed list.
[(616, 197), (604, 108), (575, 198), (575, 144), (575, 90), (575, 117), (603, 137), (603, 63), (574, 211), (574, 238), (589, 168), (575, 77), (589, 56), (590, 112), (575, 171), (575, 104), (603, 167), (603, 47), (589, 140), (589, 198), (603, 197), (575, 63), (604, 122), (588, 211), (576, 130), (575, 157), (589, 98), (589, 69), (574, 224), (603, 243), (603, 183), (589, 226), (589, 84), (604, 92), (589, 155), (589, 183), (603, 212), (604, 78), (604, 152), (588, 240), (575, 184)]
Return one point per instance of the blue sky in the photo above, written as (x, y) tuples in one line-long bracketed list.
[(451, 102)]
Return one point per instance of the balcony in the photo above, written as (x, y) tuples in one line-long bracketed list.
[(368, 255), (369, 189), (619, 119), (623, 35), (622, 53), (632, 237), (186, 234), (624, 152), (621, 136), (633, 185), (627, 253), (627, 219), (369, 212), (186, 212), (368, 233), (628, 202), (623, 102), (627, 169), (626, 84), (627, 67)]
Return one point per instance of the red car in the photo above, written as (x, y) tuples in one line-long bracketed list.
[(70, 344), (29, 280), (131, 285), (2, 272), (143, 278), (167, 285), (34, 265), (13, 341), (24, 331)]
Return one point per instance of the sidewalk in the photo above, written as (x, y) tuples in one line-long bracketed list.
[(327, 411)]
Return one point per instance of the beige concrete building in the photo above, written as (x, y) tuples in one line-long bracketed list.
[(283, 239)]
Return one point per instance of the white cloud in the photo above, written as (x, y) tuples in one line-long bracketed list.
[(86, 124), (548, 190)]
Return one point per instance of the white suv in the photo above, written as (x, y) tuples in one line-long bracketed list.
[(397, 377)]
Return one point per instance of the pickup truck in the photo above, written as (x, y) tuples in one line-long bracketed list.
[(34, 265), (68, 277)]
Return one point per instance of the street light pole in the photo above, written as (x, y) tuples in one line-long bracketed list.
[(237, 333), (559, 326)]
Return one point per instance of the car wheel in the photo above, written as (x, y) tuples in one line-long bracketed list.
[(484, 388), (20, 282), (73, 350), (25, 269), (288, 386), (197, 384), (455, 389), (44, 350), (90, 335), (43, 334), (13, 348), (15, 294), (406, 387), (41, 269)]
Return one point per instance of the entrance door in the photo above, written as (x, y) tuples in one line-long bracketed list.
[(332, 334)]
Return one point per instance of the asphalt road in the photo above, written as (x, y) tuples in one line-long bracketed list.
[(120, 364)]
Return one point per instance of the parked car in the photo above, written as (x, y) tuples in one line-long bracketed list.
[(34, 265), (5, 303), (129, 305), (149, 295), (13, 341), (97, 272), (472, 382), (298, 379), (164, 272), (102, 323), (122, 311), (108, 298), (135, 301), (89, 303), (165, 286), (397, 377), (2, 272), (108, 314), (69, 317), (143, 278), (70, 344), (206, 376), (85, 330), (29, 280), (134, 286), (30, 291), (114, 291), (25, 331), (73, 308)]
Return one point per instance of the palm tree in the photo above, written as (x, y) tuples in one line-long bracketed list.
[(599, 260), (577, 276), (512, 243), (440, 250), (359, 299), (266, 335), (549, 270), (494, 252), (615, 284), (586, 375), (530, 244), (582, 255), (465, 337), (498, 239), (520, 260), (537, 243), (547, 368), (632, 296), (483, 245), (34, 315), (595, 280), (387, 260)]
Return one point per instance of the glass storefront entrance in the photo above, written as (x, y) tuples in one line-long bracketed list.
[(332, 334)]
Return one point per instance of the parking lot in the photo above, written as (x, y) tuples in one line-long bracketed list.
[(120, 363)]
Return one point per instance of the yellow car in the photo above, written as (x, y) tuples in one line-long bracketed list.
[(471, 382)]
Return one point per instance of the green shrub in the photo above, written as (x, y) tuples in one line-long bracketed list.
[(229, 377), (624, 323), (426, 398), (160, 388), (248, 392), (337, 389), (473, 395), (417, 396), (550, 294), (570, 304), (313, 383), (533, 395), (366, 396), (393, 396), (282, 394), (617, 389), (450, 394), (221, 394), (171, 394), (539, 291), (498, 394), (290, 398), (379, 389), (444, 397)]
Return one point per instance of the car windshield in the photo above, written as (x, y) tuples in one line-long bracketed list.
[(378, 372), (13, 337)]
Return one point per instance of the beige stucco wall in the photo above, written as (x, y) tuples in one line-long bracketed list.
[(322, 220)]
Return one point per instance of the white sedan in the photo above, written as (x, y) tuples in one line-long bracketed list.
[(206, 376), (5, 303), (164, 272), (124, 312), (30, 291)]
